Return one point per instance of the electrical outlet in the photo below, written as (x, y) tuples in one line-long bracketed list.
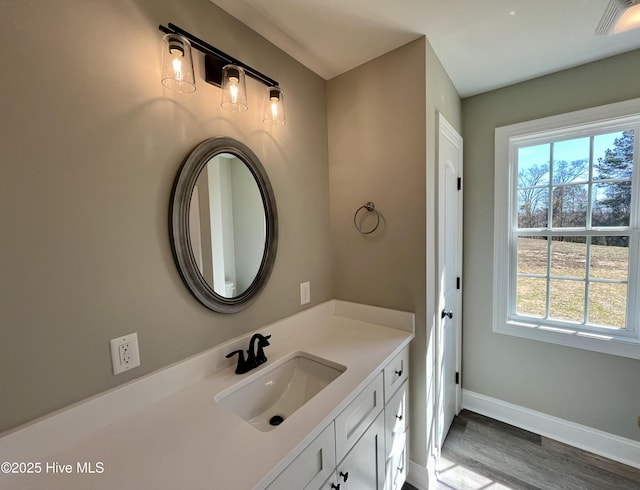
[(305, 292), (124, 353)]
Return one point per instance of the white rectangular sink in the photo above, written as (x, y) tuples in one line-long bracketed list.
[(266, 399)]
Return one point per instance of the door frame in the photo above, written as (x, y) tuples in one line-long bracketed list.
[(446, 130)]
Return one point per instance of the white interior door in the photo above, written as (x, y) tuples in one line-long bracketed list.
[(448, 334)]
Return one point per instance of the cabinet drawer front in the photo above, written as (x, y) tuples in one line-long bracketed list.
[(396, 426), (397, 413), (396, 373), (354, 420), (312, 466)]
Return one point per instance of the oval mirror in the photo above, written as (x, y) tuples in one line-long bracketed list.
[(224, 226)]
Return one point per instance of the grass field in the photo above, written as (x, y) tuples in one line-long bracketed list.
[(607, 302)]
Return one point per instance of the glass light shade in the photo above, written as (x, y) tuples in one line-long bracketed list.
[(177, 64), (234, 92), (274, 107)]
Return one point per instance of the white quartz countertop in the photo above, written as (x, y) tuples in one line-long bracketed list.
[(188, 441)]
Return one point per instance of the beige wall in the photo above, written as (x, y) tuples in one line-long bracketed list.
[(379, 117), (597, 390), (91, 145)]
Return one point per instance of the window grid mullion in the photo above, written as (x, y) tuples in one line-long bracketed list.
[(549, 225), (550, 198), (588, 222), (617, 231), (587, 278), (590, 186), (548, 280), (573, 278)]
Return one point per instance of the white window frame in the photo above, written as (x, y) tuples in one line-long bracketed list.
[(607, 118)]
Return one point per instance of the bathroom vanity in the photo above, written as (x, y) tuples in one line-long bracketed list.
[(175, 431), (367, 440)]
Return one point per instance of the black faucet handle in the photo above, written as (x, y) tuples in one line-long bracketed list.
[(239, 352), (263, 341), (242, 366)]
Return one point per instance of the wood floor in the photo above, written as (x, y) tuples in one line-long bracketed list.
[(482, 453)]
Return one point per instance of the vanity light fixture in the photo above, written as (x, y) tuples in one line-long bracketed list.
[(619, 16), (274, 107), (234, 92), (221, 70), (177, 64)]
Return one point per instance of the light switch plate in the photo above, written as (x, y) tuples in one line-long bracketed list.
[(305, 292), (124, 353)]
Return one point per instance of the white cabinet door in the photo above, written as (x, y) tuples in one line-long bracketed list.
[(396, 427), (312, 466), (396, 465), (331, 483), (363, 468)]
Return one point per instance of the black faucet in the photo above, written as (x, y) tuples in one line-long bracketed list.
[(258, 356), (253, 359)]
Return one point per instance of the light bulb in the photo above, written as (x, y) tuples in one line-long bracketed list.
[(233, 89), (274, 107), (176, 63)]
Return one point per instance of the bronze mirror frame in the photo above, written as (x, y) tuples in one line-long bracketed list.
[(179, 224)]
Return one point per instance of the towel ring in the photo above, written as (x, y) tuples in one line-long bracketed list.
[(372, 209)]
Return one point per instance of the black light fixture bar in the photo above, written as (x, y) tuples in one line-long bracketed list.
[(216, 59)]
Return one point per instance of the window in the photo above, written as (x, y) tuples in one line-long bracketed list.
[(566, 234)]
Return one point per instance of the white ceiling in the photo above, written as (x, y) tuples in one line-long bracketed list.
[(482, 44)]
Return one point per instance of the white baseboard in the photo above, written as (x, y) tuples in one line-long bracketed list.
[(610, 446), (418, 476)]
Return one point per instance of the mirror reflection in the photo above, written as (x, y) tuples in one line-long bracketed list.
[(227, 225)]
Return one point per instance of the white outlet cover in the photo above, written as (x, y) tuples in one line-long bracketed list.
[(126, 358)]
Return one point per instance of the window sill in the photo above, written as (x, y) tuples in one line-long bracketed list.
[(616, 345)]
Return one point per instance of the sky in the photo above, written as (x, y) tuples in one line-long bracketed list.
[(568, 150)]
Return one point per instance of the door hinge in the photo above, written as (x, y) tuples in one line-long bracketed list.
[(459, 183), (457, 283), (457, 378)]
